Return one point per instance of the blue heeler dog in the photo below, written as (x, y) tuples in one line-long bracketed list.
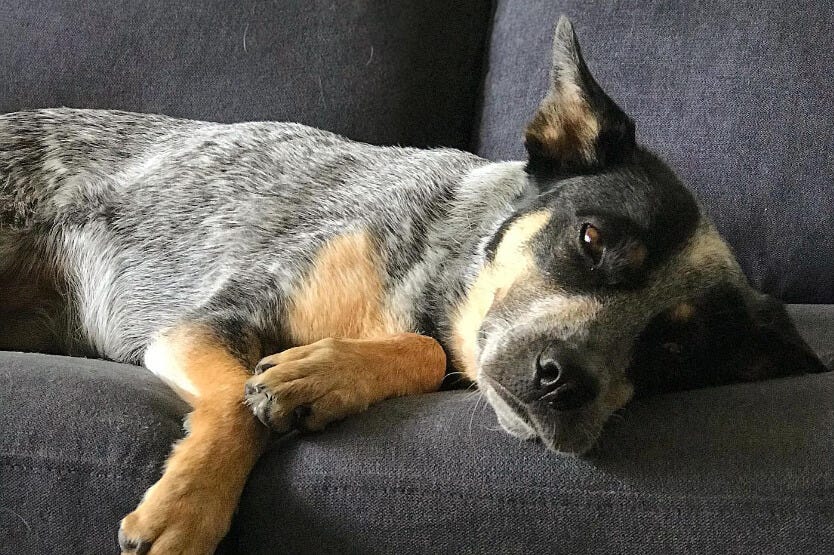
[(562, 284)]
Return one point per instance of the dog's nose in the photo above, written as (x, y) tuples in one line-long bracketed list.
[(562, 383)]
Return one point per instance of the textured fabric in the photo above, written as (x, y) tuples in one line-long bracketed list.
[(734, 469), (740, 469), (737, 96), (743, 469), (385, 72), (80, 442), (816, 325)]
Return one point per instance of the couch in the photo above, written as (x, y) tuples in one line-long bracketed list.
[(736, 96)]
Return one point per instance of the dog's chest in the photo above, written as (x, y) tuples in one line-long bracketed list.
[(342, 294)]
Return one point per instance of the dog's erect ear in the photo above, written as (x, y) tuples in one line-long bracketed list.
[(577, 127)]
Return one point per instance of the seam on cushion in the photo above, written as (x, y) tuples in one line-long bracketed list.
[(537, 496), (78, 468), (61, 471)]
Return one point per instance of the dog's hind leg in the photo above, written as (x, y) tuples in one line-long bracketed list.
[(33, 312), (190, 508)]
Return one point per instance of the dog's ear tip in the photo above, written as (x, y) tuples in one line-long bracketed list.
[(564, 37), (826, 364), (564, 27)]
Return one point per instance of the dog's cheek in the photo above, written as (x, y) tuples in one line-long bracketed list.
[(618, 395)]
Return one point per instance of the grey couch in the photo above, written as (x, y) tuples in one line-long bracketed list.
[(737, 96)]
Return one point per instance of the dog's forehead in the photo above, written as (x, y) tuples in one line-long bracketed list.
[(704, 260)]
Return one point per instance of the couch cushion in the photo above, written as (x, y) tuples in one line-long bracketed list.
[(737, 96), (743, 469), (385, 72), (80, 442), (739, 469)]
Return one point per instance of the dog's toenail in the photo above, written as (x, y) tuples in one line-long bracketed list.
[(262, 413), (253, 388), (263, 367), (139, 547)]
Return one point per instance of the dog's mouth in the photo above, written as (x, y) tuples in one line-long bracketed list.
[(572, 432)]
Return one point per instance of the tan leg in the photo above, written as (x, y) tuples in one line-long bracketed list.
[(333, 378), (190, 508)]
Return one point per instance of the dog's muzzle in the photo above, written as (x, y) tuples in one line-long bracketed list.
[(560, 381), (544, 388)]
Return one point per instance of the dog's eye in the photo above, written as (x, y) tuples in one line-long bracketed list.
[(591, 239)]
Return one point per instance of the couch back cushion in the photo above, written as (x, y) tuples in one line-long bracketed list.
[(384, 72), (737, 96)]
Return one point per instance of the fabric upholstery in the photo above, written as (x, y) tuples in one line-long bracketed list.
[(742, 469), (80, 442), (384, 72), (737, 96)]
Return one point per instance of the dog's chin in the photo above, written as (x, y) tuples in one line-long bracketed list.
[(512, 423), (540, 423)]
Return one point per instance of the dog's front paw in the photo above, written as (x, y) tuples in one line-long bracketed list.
[(308, 387), (173, 520)]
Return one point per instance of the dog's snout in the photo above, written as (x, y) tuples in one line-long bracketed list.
[(560, 382)]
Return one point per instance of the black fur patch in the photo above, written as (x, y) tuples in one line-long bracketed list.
[(723, 338), (641, 203)]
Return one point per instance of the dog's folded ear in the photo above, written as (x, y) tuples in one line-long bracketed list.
[(777, 347), (577, 127), (725, 335)]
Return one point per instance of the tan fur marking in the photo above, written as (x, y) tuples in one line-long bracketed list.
[(682, 312), (618, 395), (342, 296), (564, 127), (575, 310), (339, 377), (709, 249), (511, 263), (190, 508), (637, 255)]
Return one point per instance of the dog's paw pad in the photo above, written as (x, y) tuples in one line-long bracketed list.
[(260, 401)]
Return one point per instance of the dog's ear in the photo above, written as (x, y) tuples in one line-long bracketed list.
[(577, 127), (776, 347), (725, 335)]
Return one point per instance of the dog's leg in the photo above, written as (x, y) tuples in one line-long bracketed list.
[(312, 385), (189, 509)]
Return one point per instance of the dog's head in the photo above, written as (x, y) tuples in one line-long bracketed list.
[(608, 278)]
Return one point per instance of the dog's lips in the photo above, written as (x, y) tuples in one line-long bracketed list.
[(512, 420), (514, 403)]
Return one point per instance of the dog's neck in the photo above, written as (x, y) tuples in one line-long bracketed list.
[(484, 199)]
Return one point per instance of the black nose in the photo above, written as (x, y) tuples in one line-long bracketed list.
[(562, 383)]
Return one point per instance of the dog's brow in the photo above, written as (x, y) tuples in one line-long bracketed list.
[(708, 249)]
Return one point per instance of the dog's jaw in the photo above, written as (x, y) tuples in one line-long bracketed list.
[(509, 420)]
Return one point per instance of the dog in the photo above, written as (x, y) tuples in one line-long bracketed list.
[(279, 277)]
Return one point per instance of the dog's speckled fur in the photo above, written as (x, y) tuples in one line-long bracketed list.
[(354, 273)]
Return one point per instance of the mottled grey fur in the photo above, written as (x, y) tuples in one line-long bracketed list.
[(142, 221)]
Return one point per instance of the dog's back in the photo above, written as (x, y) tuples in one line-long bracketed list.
[(140, 219)]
